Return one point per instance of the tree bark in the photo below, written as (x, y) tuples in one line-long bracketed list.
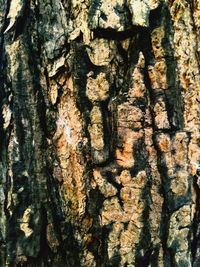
[(99, 133)]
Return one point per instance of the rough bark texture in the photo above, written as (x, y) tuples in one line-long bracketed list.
[(99, 133)]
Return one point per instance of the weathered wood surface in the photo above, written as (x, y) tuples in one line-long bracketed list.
[(99, 133)]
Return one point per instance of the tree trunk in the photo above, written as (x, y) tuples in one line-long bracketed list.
[(99, 133)]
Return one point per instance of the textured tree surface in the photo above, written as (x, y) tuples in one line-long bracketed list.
[(99, 133)]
